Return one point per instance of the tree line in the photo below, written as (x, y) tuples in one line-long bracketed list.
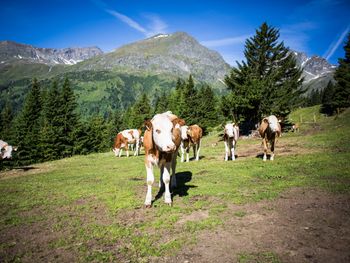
[(268, 82)]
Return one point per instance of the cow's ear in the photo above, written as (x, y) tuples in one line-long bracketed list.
[(148, 124), (179, 121)]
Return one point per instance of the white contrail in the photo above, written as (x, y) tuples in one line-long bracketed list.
[(334, 46), (225, 41), (127, 20)]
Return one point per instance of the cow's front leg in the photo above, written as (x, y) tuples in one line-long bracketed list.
[(150, 180), (227, 150), (120, 152), (265, 149), (233, 150), (182, 152), (166, 180)]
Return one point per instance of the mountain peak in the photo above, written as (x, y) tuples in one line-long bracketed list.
[(178, 54)]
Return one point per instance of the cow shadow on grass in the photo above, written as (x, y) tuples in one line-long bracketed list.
[(181, 189)]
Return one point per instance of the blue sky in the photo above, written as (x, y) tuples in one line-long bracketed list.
[(316, 27)]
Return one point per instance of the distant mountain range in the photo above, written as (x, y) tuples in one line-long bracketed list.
[(147, 65), (11, 51)]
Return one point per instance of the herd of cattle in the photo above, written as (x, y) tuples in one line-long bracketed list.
[(166, 133)]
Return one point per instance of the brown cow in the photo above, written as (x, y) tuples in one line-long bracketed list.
[(191, 136), (161, 142), (269, 130), (124, 138)]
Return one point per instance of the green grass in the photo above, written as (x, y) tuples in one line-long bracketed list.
[(93, 205)]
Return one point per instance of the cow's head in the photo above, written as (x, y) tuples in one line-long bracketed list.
[(273, 123), (7, 152), (162, 132), (230, 130), (184, 132)]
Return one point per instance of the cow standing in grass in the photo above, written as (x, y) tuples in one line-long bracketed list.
[(191, 136), (161, 142), (6, 150), (231, 134), (269, 130), (124, 138)]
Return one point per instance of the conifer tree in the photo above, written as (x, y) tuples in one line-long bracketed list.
[(267, 82), (206, 110), (6, 120), (141, 111), (328, 93), (52, 127), (341, 95), (188, 100), (161, 103), (176, 100), (69, 118), (27, 127)]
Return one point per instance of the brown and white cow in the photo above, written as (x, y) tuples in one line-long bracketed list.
[(6, 150), (124, 138), (269, 130), (161, 141), (231, 134), (191, 136)]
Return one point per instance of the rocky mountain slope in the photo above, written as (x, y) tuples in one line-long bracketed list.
[(317, 71), (178, 54), (11, 52)]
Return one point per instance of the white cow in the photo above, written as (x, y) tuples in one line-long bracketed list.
[(6, 150), (231, 134), (161, 142)]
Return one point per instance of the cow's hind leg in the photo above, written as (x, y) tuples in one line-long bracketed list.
[(198, 149), (173, 182), (272, 149)]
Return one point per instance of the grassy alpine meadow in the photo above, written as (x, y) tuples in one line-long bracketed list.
[(90, 208)]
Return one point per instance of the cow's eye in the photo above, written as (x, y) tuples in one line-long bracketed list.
[(157, 131)]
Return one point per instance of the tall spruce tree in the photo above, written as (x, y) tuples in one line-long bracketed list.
[(267, 82), (206, 110), (27, 127), (188, 98), (341, 95), (69, 118), (6, 120), (52, 126), (161, 103), (141, 111)]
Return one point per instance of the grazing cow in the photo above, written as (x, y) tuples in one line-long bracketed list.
[(161, 141), (124, 138), (295, 127), (190, 136), (6, 150), (269, 130), (231, 134)]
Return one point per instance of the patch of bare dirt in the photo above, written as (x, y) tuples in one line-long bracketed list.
[(302, 225)]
